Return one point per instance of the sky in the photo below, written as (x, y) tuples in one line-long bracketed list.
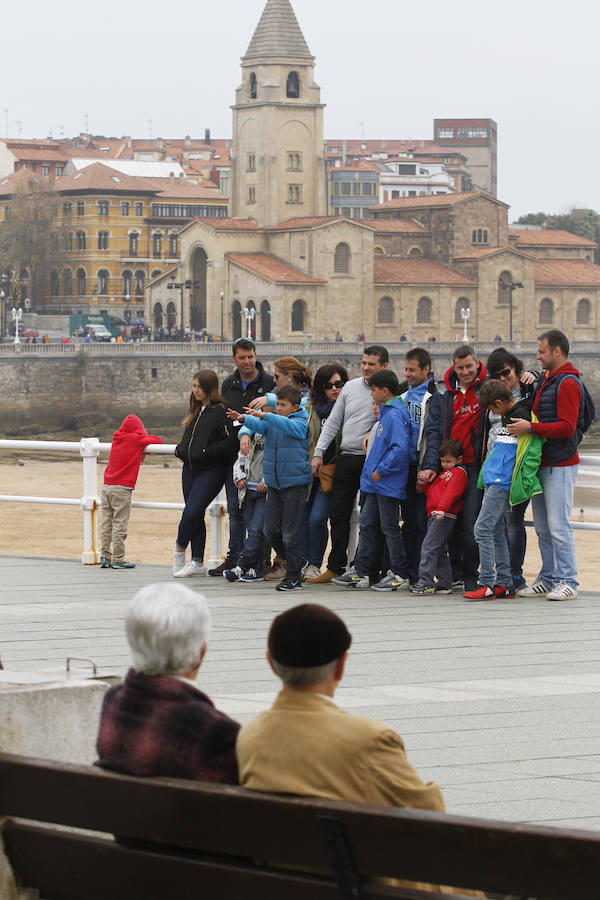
[(386, 71)]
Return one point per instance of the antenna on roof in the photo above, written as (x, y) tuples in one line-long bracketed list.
[(19, 128)]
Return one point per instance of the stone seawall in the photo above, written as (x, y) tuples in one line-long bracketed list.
[(47, 393)]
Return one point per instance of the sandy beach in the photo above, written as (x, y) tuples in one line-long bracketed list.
[(56, 531)]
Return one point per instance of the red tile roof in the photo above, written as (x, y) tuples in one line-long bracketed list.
[(224, 224), (39, 154), (315, 222), (549, 238), (99, 177), (180, 188), (400, 226), (415, 271), (272, 268), (10, 183), (359, 165), (434, 200), (566, 272), (483, 252)]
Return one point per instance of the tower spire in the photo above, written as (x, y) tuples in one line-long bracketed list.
[(278, 34)]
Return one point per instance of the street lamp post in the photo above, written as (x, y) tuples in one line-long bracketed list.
[(222, 301), (250, 313), (17, 315), (465, 315), (511, 286), (2, 314)]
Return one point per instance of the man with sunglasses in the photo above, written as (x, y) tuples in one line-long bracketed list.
[(248, 382)]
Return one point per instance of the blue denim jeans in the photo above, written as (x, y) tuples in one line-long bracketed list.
[(199, 490), (551, 516), (283, 517), (378, 511), (253, 511), (236, 521), (315, 532), (491, 538)]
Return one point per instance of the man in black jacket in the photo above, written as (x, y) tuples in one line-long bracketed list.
[(248, 382)]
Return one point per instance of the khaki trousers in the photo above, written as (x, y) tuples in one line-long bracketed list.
[(116, 507)]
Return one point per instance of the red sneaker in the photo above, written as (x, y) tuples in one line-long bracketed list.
[(501, 591), (480, 593)]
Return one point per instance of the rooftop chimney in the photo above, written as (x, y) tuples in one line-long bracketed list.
[(207, 135)]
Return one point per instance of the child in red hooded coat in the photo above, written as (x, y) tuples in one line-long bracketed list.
[(120, 476)]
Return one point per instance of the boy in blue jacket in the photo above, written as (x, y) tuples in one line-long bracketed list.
[(383, 483), (287, 474)]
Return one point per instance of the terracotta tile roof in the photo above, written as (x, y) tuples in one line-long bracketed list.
[(10, 183), (360, 165), (100, 177), (549, 238), (272, 268), (180, 188), (565, 272), (415, 271), (305, 222), (391, 147), (483, 252), (224, 224), (39, 154), (434, 200), (398, 226)]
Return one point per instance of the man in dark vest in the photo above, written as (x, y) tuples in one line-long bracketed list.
[(557, 402)]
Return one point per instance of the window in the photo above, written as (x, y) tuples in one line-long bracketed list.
[(80, 240), (139, 283), (173, 245), (336, 188), (133, 244), (504, 289), (479, 236), (80, 276), (103, 207), (67, 208), (124, 207), (265, 321), (68, 283), (378, 251), (253, 86), (294, 193), (546, 312), (251, 167), (406, 169), (385, 311), (294, 162), (59, 170), (583, 314), (356, 189), (156, 245), (157, 314), (395, 195), (46, 171), (424, 310), (341, 259), (236, 320), (292, 88), (54, 289), (103, 276), (461, 304), (346, 211), (472, 132), (445, 133), (415, 251), (346, 188), (126, 276), (298, 315), (139, 209), (80, 208), (68, 242), (252, 194), (103, 240), (368, 189), (356, 212)]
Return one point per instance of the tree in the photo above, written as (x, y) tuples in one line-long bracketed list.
[(32, 236), (583, 222), (532, 219)]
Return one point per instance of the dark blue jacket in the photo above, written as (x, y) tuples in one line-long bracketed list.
[(439, 420), (285, 463), (390, 453)]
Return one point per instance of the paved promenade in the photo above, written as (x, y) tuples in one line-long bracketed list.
[(498, 702)]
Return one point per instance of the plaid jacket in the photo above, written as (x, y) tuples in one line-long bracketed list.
[(157, 725)]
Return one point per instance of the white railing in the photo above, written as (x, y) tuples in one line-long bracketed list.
[(90, 448)]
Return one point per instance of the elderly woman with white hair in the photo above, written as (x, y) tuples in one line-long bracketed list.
[(158, 722)]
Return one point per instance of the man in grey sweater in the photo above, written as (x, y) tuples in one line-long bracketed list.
[(353, 413)]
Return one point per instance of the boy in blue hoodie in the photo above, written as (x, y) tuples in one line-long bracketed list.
[(287, 474), (383, 483)]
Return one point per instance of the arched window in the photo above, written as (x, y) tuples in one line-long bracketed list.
[(424, 310), (68, 283), (81, 240), (156, 245), (461, 304), (67, 208), (133, 243), (126, 276), (298, 315), (23, 275), (54, 288), (415, 251), (156, 273), (253, 87), (479, 236), (250, 304), (385, 311), (173, 245), (103, 276), (139, 283), (504, 282), (171, 315), (292, 88), (236, 320), (158, 315), (378, 251), (80, 276), (265, 321), (341, 260), (584, 312), (546, 314)]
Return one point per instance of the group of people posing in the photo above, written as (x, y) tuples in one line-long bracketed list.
[(456, 468)]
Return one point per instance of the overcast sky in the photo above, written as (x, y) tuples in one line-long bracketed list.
[(386, 70)]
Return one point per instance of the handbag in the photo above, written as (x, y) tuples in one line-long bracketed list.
[(326, 477)]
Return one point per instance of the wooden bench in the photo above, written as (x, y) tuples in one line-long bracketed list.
[(182, 839)]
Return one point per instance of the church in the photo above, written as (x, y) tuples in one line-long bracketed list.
[(418, 268)]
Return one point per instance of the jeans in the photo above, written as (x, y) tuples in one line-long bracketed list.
[(199, 490), (490, 535), (464, 553), (283, 519), (315, 532), (385, 511), (236, 521), (435, 562), (551, 516), (414, 523), (517, 540), (253, 511), (346, 483)]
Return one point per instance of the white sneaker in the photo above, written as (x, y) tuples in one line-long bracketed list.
[(310, 572), (178, 560), (537, 589), (190, 570), (562, 591)]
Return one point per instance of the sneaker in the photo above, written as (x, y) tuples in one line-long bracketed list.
[(233, 574), (506, 593), (458, 587), (192, 569), (310, 572), (227, 563), (345, 578), (443, 589), (104, 562), (122, 564), (422, 589), (277, 570), (252, 575), (178, 560), (289, 584), (480, 593), (537, 589), (358, 582), (392, 582), (562, 591)]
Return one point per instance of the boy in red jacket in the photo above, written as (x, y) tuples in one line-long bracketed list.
[(120, 476), (444, 502)]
